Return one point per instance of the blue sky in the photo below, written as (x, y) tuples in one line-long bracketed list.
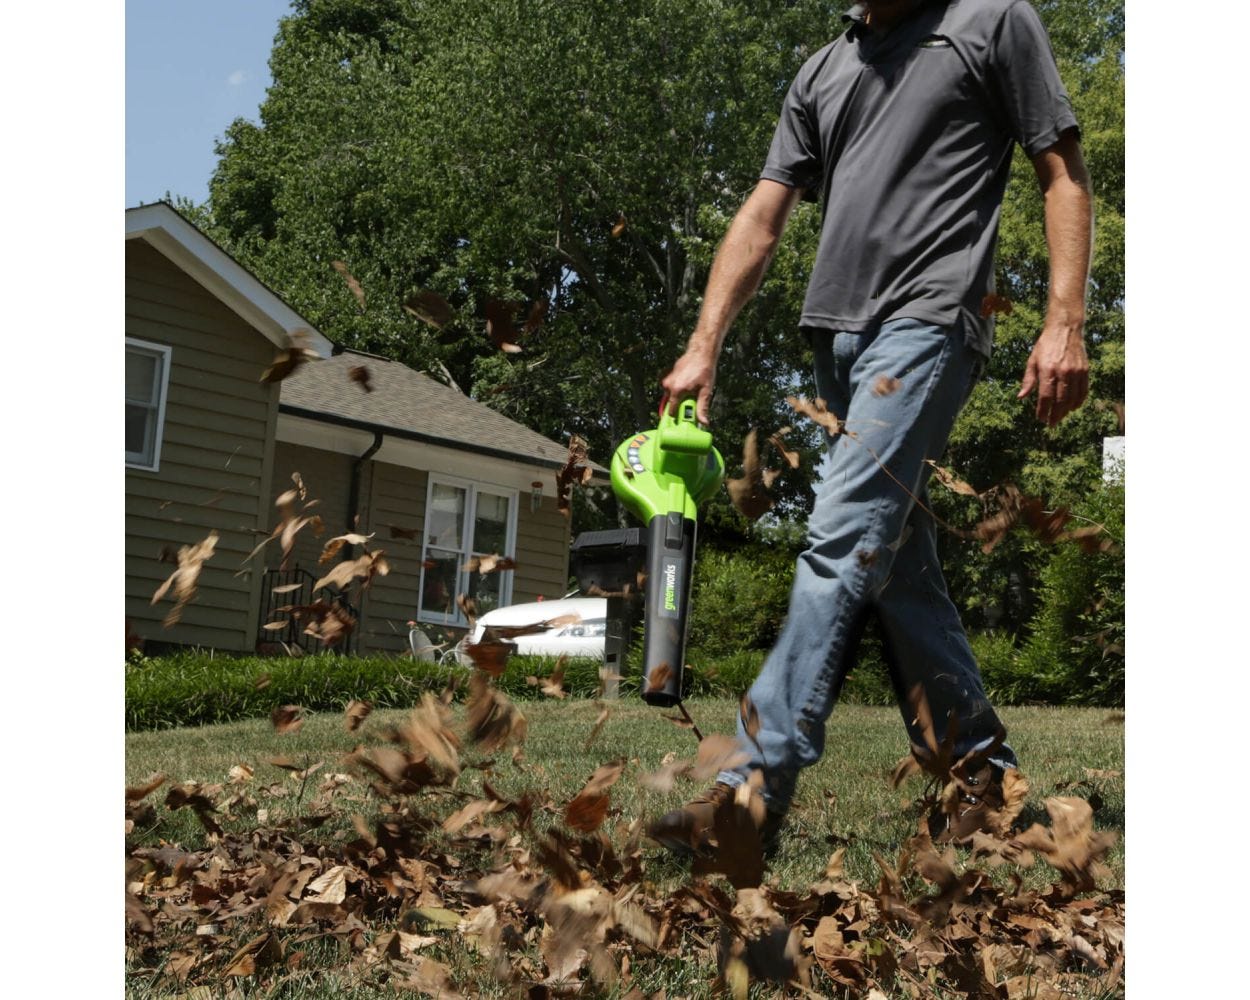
[(192, 67)]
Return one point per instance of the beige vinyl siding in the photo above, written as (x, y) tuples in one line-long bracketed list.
[(215, 462), (327, 477), (397, 498), (542, 556)]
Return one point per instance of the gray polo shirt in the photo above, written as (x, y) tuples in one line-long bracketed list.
[(907, 138)]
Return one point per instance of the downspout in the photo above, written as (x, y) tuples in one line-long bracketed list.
[(353, 495), (353, 513)]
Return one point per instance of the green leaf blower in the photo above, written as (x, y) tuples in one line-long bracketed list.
[(661, 476)]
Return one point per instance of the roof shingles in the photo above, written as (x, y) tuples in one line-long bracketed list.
[(408, 402)]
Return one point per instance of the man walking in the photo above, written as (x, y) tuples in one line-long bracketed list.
[(903, 129)]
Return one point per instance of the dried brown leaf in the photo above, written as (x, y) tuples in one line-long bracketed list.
[(658, 678), (366, 567), (1091, 538), (993, 529), (586, 812), (136, 792), (575, 472), (553, 686), (184, 580), (356, 713), (329, 887), (536, 316), (789, 455), (817, 411), (717, 752), (288, 361), (735, 849), (499, 326), (468, 607), (287, 718), (886, 385), (489, 564), (259, 953), (604, 714), (352, 283), (493, 721), (428, 729), (490, 655), (1071, 845), (663, 779), (431, 308), (748, 494), (335, 545), (951, 481), (993, 303), (1047, 525)]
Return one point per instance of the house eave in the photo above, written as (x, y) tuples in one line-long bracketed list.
[(183, 244), (364, 430)]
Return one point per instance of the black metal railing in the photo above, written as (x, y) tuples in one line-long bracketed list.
[(299, 595)]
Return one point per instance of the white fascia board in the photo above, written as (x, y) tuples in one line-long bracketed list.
[(224, 277), (484, 469)]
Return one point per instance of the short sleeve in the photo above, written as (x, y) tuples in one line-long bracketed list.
[(1023, 70), (794, 157)]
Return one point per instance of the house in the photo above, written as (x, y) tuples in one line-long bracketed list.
[(433, 476)]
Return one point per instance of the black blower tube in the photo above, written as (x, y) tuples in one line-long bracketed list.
[(670, 560)]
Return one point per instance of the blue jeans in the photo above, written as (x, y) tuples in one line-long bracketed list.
[(870, 547)]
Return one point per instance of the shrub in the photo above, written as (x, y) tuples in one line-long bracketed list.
[(194, 688), (732, 674), (197, 688), (995, 653), (739, 600), (1075, 650), (868, 678)]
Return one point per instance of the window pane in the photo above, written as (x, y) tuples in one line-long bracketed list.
[(485, 590), (490, 525), (438, 592), (445, 518), (137, 423), (141, 376)]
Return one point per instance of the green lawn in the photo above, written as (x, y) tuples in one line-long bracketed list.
[(845, 800)]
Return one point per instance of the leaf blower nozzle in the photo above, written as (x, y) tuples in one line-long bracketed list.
[(661, 476)]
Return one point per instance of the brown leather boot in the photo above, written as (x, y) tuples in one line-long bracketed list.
[(988, 802), (688, 830)]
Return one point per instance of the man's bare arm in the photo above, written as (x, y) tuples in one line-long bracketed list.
[(1058, 368), (741, 260)]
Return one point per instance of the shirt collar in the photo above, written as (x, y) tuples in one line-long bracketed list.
[(854, 17)]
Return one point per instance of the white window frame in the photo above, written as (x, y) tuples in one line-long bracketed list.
[(164, 352), (472, 489)]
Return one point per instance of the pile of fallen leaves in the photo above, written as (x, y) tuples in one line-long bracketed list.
[(550, 898)]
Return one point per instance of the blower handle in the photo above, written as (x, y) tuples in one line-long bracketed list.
[(681, 434)]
